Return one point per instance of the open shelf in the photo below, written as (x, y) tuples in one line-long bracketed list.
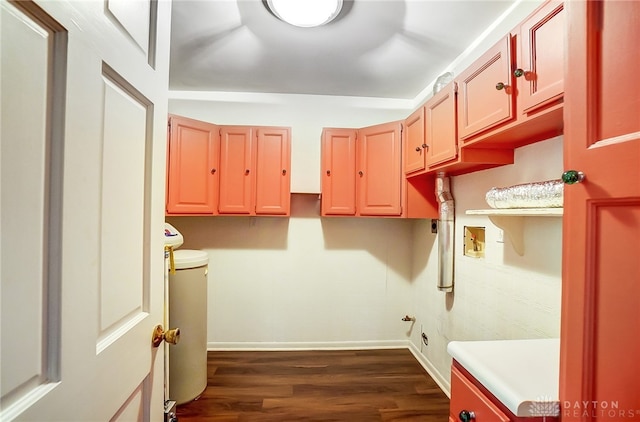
[(511, 220), (519, 212)]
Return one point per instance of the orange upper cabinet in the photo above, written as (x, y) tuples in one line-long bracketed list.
[(441, 139), (228, 170), (504, 102), (540, 66), (361, 171), (379, 175), (273, 178), (255, 170), (338, 171), (415, 146), (192, 171), (485, 91), (237, 170)]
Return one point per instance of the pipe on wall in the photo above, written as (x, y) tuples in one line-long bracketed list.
[(446, 232)]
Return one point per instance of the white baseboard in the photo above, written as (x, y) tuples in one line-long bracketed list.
[(444, 385), (324, 345)]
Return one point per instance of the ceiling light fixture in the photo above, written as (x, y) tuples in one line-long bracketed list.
[(306, 13)]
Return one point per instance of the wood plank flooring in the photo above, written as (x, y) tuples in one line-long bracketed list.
[(355, 386)]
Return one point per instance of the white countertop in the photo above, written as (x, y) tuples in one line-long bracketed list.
[(522, 374)]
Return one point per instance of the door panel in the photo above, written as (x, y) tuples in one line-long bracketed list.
[(338, 172), (30, 179), (379, 174), (602, 214), (193, 176), (133, 16), (93, 196), (414, 140), (237, 170), (441, 126), (124, 288), (542, 57), (133, 409), (480, 105), (273, 176)]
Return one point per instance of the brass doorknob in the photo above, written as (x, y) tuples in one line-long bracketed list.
[(171, 336)]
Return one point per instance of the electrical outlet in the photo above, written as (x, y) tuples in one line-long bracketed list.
[(500, 236), (434, 226)]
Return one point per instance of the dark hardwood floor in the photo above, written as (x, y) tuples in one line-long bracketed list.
[(355, 386)]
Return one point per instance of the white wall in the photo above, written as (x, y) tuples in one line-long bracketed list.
[(306, 281), (500, 296)]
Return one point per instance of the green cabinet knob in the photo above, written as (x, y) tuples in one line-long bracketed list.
[(571, 177), (518, 72), (500, 86), (467, 416)]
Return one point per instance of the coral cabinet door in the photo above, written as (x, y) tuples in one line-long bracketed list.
[(441, 126), (192, 174), (415, 145), (540, 69), (379, 174), (273, 171), (237, 170), (485, 91), (338, 172), (601, 226)]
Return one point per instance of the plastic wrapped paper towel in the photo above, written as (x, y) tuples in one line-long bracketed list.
[(548, 194)]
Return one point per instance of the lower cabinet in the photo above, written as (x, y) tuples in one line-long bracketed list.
[(468, 403), (471, 401)]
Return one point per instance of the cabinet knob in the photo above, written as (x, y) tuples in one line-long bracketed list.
[(328, 172), (361, 173), (284, 172), (425, 146), (500, 86), (246, 171), (571, 177), (467, 416), (518, 72), (418, 149), (213, 171)]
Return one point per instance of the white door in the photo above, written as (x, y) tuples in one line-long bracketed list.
[(82, 165)]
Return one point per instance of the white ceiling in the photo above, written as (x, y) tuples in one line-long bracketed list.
[(376, 48)]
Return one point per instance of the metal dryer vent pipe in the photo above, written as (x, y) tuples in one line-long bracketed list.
[(446, 232)]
